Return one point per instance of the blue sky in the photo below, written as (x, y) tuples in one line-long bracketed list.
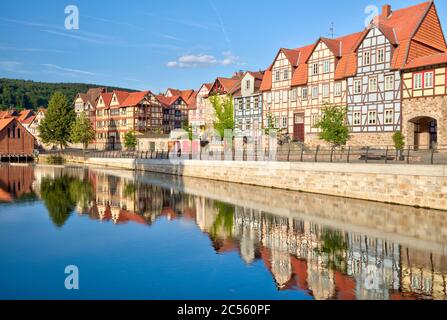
[(171, 43)]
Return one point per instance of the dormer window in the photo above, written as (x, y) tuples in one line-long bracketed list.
[(247, 84)]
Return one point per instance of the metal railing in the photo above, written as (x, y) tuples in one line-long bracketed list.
[(292, 152)]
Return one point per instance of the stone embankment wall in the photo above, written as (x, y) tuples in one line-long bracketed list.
[(412, 185)]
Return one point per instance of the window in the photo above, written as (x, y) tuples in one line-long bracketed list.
[(247, 84), (357, 86), (326, 66), (18, 133), (286, 74), (314, 119), (337, 89), (277, 76), (417, 81), (357, 118), (389, 83), (269, 97), (304, 93), (325, 91), (293, 95), (299, 118), (284, 122), (366, 58), (373, 85), (428, 80), (372, 117), (277, 97), (285, 95), (9, 133), (389, 116), (315, 69), (315, 92), (380, 55)]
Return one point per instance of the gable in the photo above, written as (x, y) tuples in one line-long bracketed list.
[(430, 31)]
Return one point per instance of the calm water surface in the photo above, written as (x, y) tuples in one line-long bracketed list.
[(150, 236)]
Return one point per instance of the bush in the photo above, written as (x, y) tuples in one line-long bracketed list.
[(55, 160), (399, 141)]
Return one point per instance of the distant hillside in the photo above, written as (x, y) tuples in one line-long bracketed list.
[(23, 94)]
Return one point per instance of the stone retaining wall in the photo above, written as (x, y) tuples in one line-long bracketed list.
[(423, 186)]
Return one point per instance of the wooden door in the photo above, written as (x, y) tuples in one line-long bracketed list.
[(298, 127)]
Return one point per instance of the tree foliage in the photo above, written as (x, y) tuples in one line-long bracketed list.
[(61, 195), (22, 94), (333, 125), (130, 140), (224, 109), (55, 127), (399, 141), (82, 130)]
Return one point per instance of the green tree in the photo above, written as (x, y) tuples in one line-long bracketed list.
[(55, 128), (57, 198), (82, 131), (224, 221), (270, 124), (188, 128), (130, 140), (333, 125), (224, 109), (399, 141)]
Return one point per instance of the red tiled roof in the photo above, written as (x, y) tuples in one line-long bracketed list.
[(168, 101), (134, 98), (121, 95), (266, 84), (185, 94), (299, 77), (427, 61), (347, 65), (25, 115), (107, 98), (5, 122), (228, 84), (192, 101)]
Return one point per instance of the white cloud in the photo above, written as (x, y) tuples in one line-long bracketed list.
[(204, 60), (10, 65), (68, 70)]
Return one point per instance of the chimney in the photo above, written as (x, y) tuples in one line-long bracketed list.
[(386, 11)]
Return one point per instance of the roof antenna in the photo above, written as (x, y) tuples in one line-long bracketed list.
[(332, 31)]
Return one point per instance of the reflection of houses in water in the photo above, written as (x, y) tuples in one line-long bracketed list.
[(336, 265), (299, 254), (15, 182)]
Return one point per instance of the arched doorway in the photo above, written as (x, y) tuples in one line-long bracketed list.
[(424, 131)]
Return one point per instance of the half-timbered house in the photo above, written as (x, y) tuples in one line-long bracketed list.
[(197, 108), (425, 102), (175, 112), (320, 82), (393, 39), (280, 102), (248, 106), (120, 112)]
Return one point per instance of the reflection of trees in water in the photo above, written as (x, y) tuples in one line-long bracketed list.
[(333, 246), (225, 219), (61, 195)]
